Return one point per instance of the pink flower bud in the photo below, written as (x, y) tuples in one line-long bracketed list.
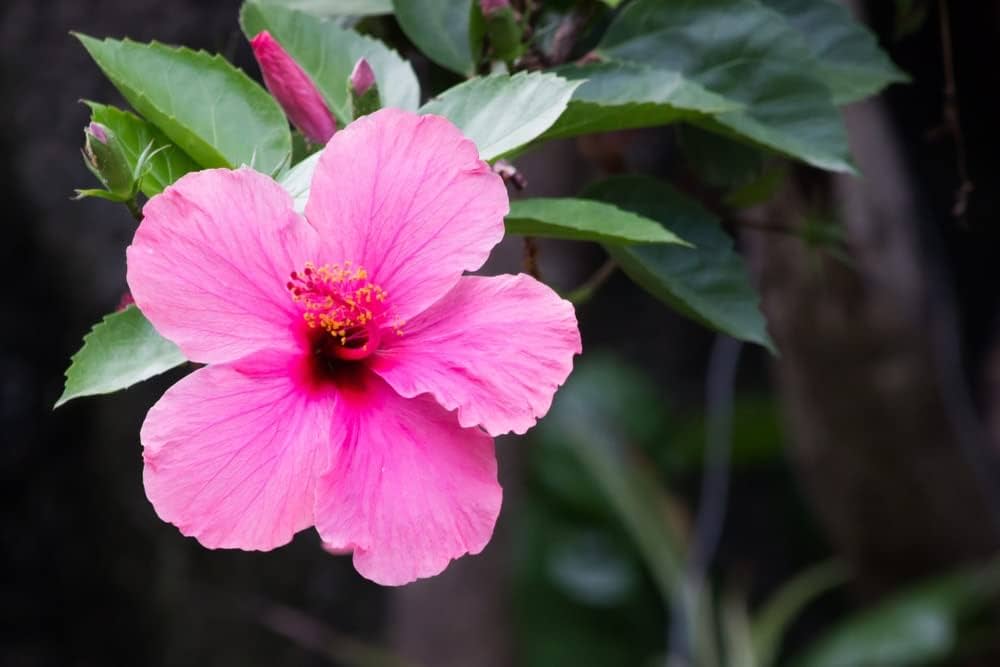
[(362, 77), (294, 90), (98, 131), (490, 7)]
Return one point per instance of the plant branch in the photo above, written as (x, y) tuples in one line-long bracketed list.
[(586, 290), (951, 114)]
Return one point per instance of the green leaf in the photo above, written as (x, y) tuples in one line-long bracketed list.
[(441, 29), (133, 135), (502, 113), (336, 7), (743, 51), (121, 350), (584, 220), (708, 282), (848, 56), (717, 160), (328, 53), (914, 627), (212, 110), (589, 418), (619, 95), (771, 622), (587, 421)]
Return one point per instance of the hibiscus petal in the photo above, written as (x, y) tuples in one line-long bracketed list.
[(407, 198), (408, 490), (232, 452), (210, 261), (494, 348)]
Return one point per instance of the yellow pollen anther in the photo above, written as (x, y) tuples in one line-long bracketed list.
[(343, 302)]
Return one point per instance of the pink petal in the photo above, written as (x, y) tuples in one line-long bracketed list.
[(294, 90), (232, 453), (407, 198), (409, 490), (209, 264), (494, 348)]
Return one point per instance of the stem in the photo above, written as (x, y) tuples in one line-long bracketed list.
[(951, 114), (134, 209), (720, 389), (586, 290), (531, 257)]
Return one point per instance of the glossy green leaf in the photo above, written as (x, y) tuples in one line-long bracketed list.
[(121, 350), (708, 282), (336, 7), (584, 220), (917, 626), (621, 95), (743, 51), (848, 57), (212, 110), (441, 30), (502, 113), (133, 135), (328, 53)]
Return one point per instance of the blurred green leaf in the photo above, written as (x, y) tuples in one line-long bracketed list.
[(914, 627), (708, 282), (584, 220), (587, 419), (848, 58), (501, 113), (910, 17), (760, 189), (737, 49), (328, 53), (336, 7), (119, 351), (620, 95), (581, 596), (441, 30), (735, 634), (786, 604), (212, 110), (134, 135), (757, 436), (718, 160)]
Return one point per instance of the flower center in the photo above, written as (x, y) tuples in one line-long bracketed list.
[(349, 312)]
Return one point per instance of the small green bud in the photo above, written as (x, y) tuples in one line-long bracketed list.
[(363, 90), (105, 159)]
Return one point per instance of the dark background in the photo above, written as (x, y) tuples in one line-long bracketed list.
[(886, 388)]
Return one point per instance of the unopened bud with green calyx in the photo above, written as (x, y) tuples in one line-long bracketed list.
[(363, 89), (502, 29), (104, 157)]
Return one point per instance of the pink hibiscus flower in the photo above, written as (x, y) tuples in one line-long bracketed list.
[(354, 376)]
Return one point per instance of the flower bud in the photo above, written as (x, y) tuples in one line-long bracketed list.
[(490, 7), (363, 89), (105, 159), (502, 29), (291, 86)]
